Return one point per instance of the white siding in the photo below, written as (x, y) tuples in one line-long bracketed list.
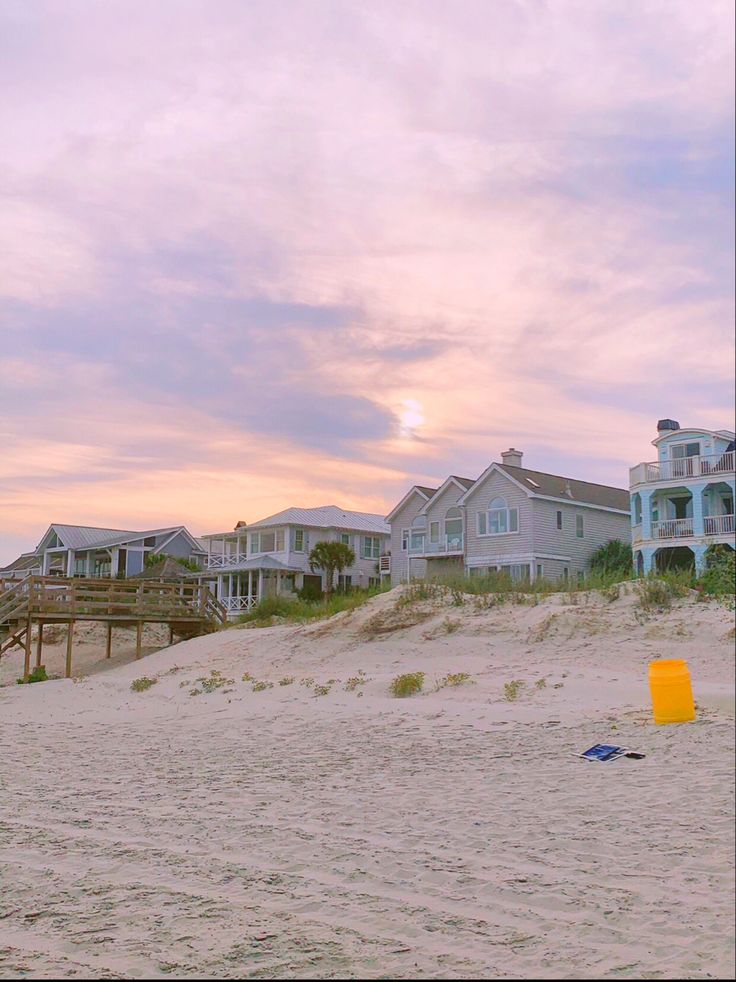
[(498, 547), (599, 527), (400, 521)]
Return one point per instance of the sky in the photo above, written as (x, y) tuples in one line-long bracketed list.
[(262, 254)]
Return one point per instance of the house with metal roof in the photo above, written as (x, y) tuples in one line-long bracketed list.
[(511, 519), (682, 504), (83, 550), (272, 555)]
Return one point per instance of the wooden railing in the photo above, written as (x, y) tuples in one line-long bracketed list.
[(110, 599), (223, 561)]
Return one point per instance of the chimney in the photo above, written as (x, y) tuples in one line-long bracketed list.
[(512, 457), (667, 424), (240, 525)]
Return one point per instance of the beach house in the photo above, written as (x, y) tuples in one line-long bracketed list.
[(83, 550), (524, 522), (683, 502), (272, 555)]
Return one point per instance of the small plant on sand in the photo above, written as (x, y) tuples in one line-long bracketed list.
[(419, 592), (458, 598), (307, 682), (452, 680), (357, 680), (654, 596), (407, 685), (247, 677), (512, 690), (262, 686), (210, 683), (485, 601), (322, 690), (140, 685), (287, 680), (540, 684), (38, 674), (449, 626), (611, 593)]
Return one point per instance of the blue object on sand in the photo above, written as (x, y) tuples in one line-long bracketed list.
[(603, 751)]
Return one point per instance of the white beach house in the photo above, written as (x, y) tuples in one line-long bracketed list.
[(683, 502), (272, 555), (527, 523)]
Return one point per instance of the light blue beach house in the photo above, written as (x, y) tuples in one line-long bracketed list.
[(683, 502)]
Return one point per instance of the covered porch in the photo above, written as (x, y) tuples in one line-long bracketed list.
[(241, 589)]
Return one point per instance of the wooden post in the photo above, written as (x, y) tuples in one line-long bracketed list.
[(108, 646), (69, 645), (138, 639), (39, 644), (171, 635), (27, 658)]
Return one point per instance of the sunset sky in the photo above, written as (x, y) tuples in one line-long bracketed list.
[(261, 254)]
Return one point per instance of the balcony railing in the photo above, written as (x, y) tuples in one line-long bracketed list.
[(447, 544), (682, 468), (673, 528), (225, 561), (236, 605), (719, 524)]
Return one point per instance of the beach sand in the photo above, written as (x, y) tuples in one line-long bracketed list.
[(285, 834)]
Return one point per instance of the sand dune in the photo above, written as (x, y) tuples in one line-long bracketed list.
[(266, 830)]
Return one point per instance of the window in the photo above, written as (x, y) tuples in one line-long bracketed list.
[(345, 539), (434, 531), (344, 583), (559, 519), (499, 519), (540, 571), (565, 574), (680, 450), (267, 541), (579, 526), (298, 540), (517, 571), (150, 541), (374, 581), (404, 539), (371, 547)]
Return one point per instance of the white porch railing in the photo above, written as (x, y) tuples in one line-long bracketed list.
[(447, 544), (384, 564), (224, 561), (719, 524), (670, 470), (673, 528), (235, 605)]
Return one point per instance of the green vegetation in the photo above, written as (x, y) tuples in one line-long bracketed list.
[(322, 690), (140, 685), (719, 578), (512, 690), (288, 680), (614, 557), (357, 680), (656, 593), (262, 686), (38, 674), (332, 558), (295, 610), (209, 683), (540, 684), (407, 685), (452, 680), (154, 559)]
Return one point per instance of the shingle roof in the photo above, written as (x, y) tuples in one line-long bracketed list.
[(467, 482), (327, 517), (428, 491), (553, 486)]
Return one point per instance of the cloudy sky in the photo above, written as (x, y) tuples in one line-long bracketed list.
[(257, 254)]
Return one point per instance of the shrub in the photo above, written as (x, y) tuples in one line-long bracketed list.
[(352, 683), (453, 680), (613, 557), (322, 690), (140, 685), (407, 685), (210, 683), (512, 690), (719, 578), (38, 674), (298, 610), (289, 680)]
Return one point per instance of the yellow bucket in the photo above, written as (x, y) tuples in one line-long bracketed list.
[(672, 691)]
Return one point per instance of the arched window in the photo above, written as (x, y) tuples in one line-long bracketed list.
[(416, 536), (499, 519), (454, 527)]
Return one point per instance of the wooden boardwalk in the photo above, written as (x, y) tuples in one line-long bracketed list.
[(188, 608)]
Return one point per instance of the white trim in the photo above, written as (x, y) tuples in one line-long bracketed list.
[(521, 557), (582, 504), (667, 434), (441, 489)]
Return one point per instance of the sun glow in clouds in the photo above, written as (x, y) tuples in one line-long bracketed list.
[(411, 417)]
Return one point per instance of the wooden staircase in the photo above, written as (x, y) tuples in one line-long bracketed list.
[(13, 616)]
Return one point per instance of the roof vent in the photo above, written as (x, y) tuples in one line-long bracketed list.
[(568, 489), (512, 457), (667, 424)]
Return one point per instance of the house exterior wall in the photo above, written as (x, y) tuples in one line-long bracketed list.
[(599, 527), (479, 549), (399, 556)]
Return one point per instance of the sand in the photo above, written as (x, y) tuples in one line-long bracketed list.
[(284, 834)]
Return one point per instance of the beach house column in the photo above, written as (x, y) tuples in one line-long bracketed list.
[(696, 490), (250, 586), (260, 585), (646, 515), (699, 552)]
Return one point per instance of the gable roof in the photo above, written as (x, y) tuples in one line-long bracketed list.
[(539, 484), (90, 537), (326, 517), (29, 560), (463, 483), (426, 493)]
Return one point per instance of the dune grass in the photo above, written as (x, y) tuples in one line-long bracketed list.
[(281, 609)]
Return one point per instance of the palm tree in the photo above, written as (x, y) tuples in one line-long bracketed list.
[(331, 558)]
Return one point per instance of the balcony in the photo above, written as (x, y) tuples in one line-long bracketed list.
[(673, 528), (656, 471), (719, 524), (226, 561), (447, 545)]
